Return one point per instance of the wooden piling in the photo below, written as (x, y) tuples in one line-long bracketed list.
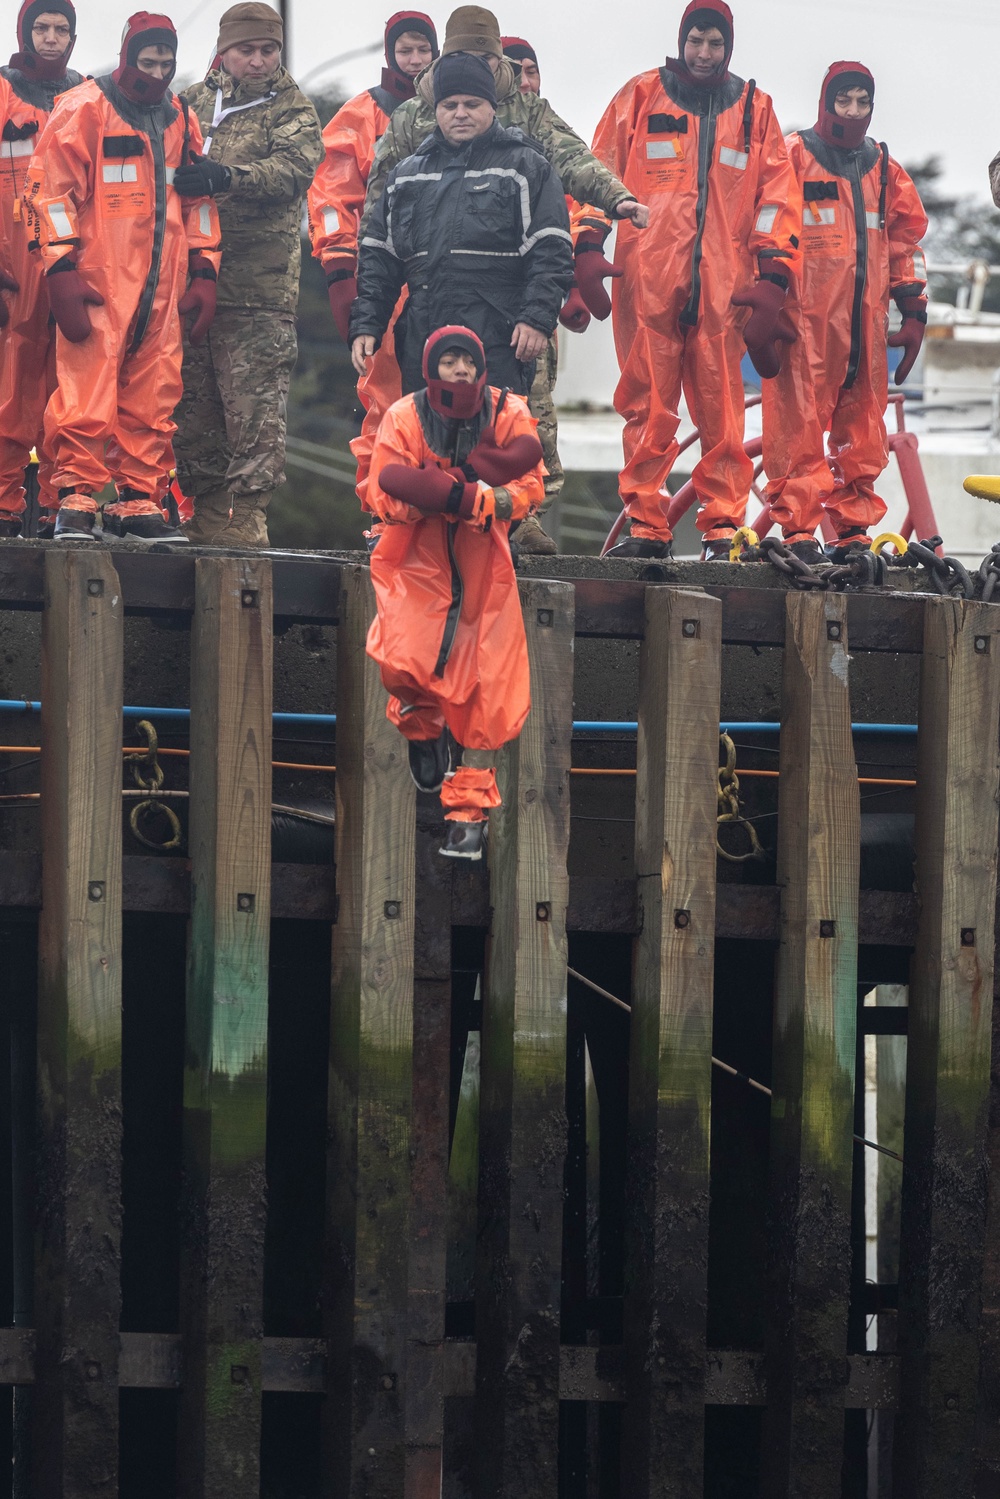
[(225, 1076), (523, 1120), (948, 1059), (815, 1018), (370, 1086), (78, 1222), (670, 1064)]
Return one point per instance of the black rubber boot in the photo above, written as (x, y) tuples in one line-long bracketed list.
[(807, 549), (464, 840), (716, 550), (845, 546), (76, 525), (10, 526), (149, 528), (46, 527), (430, 761), (642, 547)]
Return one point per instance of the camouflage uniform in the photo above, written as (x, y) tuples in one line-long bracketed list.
[(231, 420), (543, 409)]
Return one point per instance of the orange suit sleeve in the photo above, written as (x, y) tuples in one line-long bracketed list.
[(201, 217), (777, 225), (906, 225), (61, 174), (399, 439), (528, 492), (337, 194)]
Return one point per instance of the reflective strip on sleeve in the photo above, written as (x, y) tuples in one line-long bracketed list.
[(919, 265), (766, 218), (126, 172), (657, 150), (19, 148), (170, 176), (331, 221), (731, 158), (204, 220), (871, 220), (59, 219)]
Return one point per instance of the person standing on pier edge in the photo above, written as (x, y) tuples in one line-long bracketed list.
[(124, 261), (337, 196), (262, 146), (862, 224), (706, 150), (453, 465), (29, 87)]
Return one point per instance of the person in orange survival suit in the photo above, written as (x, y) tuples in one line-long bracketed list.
[(337, 196), (453, 465), (707, 150), (29, 87), (119, 246), (862, 223)]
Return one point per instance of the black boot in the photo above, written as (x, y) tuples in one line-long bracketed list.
[(642, 547), (845, 546), (430, 761), (46, 528), (10, 526), (807, 549), (716, 550), (148, 526), (76, 525), (464, 840)]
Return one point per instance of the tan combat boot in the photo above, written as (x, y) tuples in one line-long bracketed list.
[(210, 520), (532, 541), (248, 527)]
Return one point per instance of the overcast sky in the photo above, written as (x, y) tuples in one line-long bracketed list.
[(936, 79)]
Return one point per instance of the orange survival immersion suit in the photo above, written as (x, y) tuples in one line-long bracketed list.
[(709, 159), (336, 200), (101, 187), (861, 231), (29, 88), (449, 636)]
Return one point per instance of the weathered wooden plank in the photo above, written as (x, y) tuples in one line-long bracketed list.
[(670, 1047), (522, 1120), (424, 1399), (78, 1225), (371, 1064), (814, 1054), (942, 1237), (225, 1075)]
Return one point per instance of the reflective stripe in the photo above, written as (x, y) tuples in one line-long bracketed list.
[(522, 183), (731, 158), (660, 150), (204, 220), (126, 172), (19, 148), (542, 234), (919, 265), (871, 220), (59, 219), (766, 218), (331, 221), (170, 175), (822, 215)]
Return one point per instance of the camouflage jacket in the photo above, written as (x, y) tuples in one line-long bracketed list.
[(272, 148), (582, 176)]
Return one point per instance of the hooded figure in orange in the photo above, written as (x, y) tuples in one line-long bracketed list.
[(29, 87), (119, 246), (337, 197), (861, 230), (704, 149), (452, 466)]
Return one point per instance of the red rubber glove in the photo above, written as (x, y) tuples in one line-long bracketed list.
[(7, 283), (910, 335), (430, 488), (69, 297), (199, 298), (591, 269), (574, 315), (500, 465), (767, 326), (342, 292)]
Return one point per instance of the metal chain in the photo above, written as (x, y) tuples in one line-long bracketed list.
[(989, 572), (729, 809), (947, 574), (152, 783)]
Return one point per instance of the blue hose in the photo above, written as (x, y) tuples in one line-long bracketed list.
[(310, 720)]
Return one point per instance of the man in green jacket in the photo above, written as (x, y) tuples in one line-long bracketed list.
[(262, 146)]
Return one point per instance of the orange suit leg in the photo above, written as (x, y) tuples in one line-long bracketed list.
[(377, 390), (83, 410), (27, 379), (150, 387), (858, 446), (713, 387), (798, 405), (647, 396)]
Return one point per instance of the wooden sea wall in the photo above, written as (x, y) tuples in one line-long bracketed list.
[(461, 1224)]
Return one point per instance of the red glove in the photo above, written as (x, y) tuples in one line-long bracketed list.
[(574, 315), (591, 269), (199, 298), (342, 292), (69, 297), (767, 326), (499, 465), (438, 491), (911, 333), (7, 283)]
